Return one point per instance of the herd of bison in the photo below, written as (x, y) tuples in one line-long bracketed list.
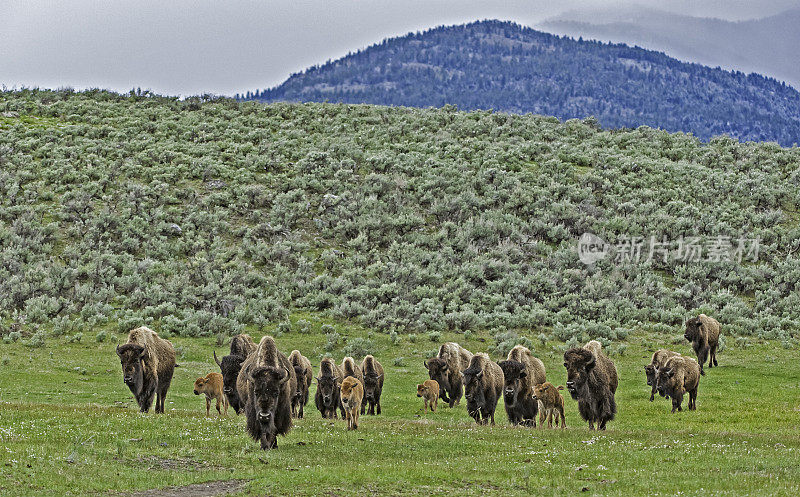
[(272, 389)]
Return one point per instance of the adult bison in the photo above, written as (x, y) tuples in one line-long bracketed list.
[(266, 384), (703, 333), (483, 386), (677, 376), (148, 362), (230, 365), (373, 384), (446, 370), (302, 369), (592, 381), (329, 381), (660, 356), (521, 371)]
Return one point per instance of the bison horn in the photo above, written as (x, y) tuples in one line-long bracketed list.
[(117, 349), (217, 360), (425, 363)]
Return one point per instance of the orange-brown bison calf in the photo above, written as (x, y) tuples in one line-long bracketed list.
[(351, 394), (211, 385), (552, 404), (429, 391)]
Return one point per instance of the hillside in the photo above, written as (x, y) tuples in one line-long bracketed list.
[(210, 217), (766, 46), (510, 68)]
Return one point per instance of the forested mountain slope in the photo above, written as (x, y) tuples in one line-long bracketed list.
[(510, 68), (204, 217)]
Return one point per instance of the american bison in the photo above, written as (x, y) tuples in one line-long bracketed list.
[(304, 373), (446, 370), (266, 384), (520, 372), (677, 376), (373, 385), (230, 365), (327, 396), (429, 391), (148, 362), (592, 381), (211, 386), (483, 386), (660, 356), (551, 404), (349, 368), (703, 333), (352, 393)]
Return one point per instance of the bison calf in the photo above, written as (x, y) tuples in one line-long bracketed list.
[(660, 356), (592, 381), (676, 377), (148, 362), (703, 333), (483, 386), (352, 393), (211, 386), (429, 391), (552, 404)]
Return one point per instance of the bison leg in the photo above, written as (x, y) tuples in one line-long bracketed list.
[(693, 399), (591, 425), (653, 393), (563, 419), (714, 354), (219, 411), (602, 425), (363, 405), (208, 407)]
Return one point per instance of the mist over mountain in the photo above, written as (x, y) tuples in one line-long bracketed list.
[(766, 46), (506, 67)]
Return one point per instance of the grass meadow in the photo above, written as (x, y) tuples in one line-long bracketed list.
[(69, 426)]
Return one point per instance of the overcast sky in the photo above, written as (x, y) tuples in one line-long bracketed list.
[(183, 47)]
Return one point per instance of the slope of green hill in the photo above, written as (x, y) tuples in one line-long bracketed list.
[(209, 217)]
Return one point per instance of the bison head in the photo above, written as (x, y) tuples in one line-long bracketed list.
[(473, 388), (438, 371), (663, 379), (132, 357), (372, 384), (694, 329), (421, 390), (348, 393), (650, 372), (541, 391), (199, 386), (327, 387), (514, 374), (267, 383), (579, 364), (230, 367)]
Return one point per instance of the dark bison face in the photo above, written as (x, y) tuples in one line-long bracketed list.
[(579, 364), (513, 374), (650, 372), (230, 367), (438, 370), (473, 388), (663, 379), (131, 357), (267, 383), (371, 386), (327, 387), (694, 328), (302, 387)]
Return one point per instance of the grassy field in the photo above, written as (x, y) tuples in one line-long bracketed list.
[(69, 426)]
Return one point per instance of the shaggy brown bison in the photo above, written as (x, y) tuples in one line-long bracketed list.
[(266, 384), (592, 381), (148, 362), (660, 356), (351, 394), (211, 386), (349, 368), (327, 396), (520, 372), (230, 365), (483, 386), (429, 391), (373, 384), (703, 333), (304, 373), (677, 376), (551, 404), (446, 370)]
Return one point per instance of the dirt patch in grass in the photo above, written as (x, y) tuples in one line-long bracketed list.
[(208, 489)]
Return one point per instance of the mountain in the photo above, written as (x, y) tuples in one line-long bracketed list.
[(767, 46), (509, 68)]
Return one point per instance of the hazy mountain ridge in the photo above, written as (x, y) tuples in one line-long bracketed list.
[(509, 68), (767, 45)]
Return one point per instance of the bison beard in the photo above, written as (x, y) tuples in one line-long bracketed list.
[(268, 406), (521, 407), (483, 386)]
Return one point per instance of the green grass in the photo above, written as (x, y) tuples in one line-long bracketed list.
[(69, 426)]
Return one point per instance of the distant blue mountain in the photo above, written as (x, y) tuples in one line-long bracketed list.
[(510, 68)]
